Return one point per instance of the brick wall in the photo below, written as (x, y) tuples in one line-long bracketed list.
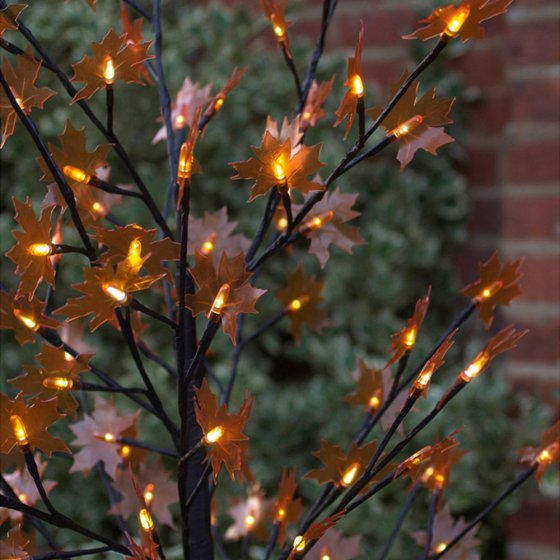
[(512, 168)]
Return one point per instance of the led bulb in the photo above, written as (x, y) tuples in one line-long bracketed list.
[(281, 513), (548, 454), (410, 337), (58, 383), (374, 402), (475, 367), (149, 493), (186, 159), (135, 254), (218, 104), (114, 292), (180, 121), (250, 520), (146, 521), (457, 20), (490, 291), (208, 246), (107, 436), (441, 547), (279, 172), (23, 498), (424, 377), (282, 224), (109, 71), (29, 322), (125, 451), (76, 174), (19, 430), (40, 249), (306, 115), (213, 435), (407, 127), (297, 303), (350, 474), (318, 221), (98, 208), (326, 553), (299, 544), (357, 86), (220, 301)]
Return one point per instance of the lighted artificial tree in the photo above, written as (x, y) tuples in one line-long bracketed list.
[(199, 268)]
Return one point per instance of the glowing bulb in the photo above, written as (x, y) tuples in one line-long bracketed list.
[(125, 451), (19, 430), (98, 208), (109, 71), (214, 435), (281, 224), (180, 121), (548, 454), (146, 521), (350, 474), (407, 127), (306, 115), (440, 480), (441, 547), (279, 30), (299, 544), (23, 497), (357, 86), (58, 383), (76, 174), (19, 102), (220, 300), (281, 513), (318, 221), (425, 376), (186, 159), (326, 553), (279, 173), (115, 293), (68, 357), (374, 402), (475, 367), (298, 303), (218, 104), (457, 20), (149, 494), (250, 520), (40, 249), (208, 246), (410, 337), (427, 474), (135, 254), (490, 291), (29, 322)]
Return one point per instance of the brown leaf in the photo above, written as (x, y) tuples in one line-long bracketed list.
[(105, 289), (279, 164), (546, 454), (135, 39), (249, 515), (9, 16), (105, 419), (125, 57), (146, 551), (462, 21), (21, 80), (32, 268), (316, 531), (369, 392), (287, 509), (498, 285), (301, 299), (231, 271), (336, 231), (336, 546), (313, 111), (36, 417), (55, 362), (429, 114), (275, 11), (403, 341), (445, 528), (23, 316), (118, 242), (219, 99), (212, 235), (228, 448), (14, 545), (152, 478), (349, 103)]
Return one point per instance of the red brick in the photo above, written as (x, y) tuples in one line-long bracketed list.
[(537, 522), (541, 278), (530, 217), (488, 116), (483, 68), (536, 100), (542, 389), (533, 160), (540, 345), (481, 167), (485, 217), (533, 43), (383, 71)]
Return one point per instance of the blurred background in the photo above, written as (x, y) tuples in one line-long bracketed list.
[(495, 187)]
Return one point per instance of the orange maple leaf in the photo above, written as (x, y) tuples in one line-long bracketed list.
[(546, 454), (336, 231), (369, 392), (445, 528), (212, 235), (21, 80), (55, 362), (209, 280), (36, 232), (403, 341), (462, 21), (355, 91), (25, 426), (106, 288), (416, 122), (188, 165), (280, 164), (249, 515), (14, 545), (316, 531), (313, 110), (118, 242), (301, 299), (219, 99), (275, 11), (91, 435), (223, 432), (135, 39), (498, 285), (334, 544), (287, 509), (124, 56), (9, 16), (24, 316)]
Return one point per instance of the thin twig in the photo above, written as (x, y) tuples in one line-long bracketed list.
[(69, 553), (34, 472), (431, 518), (135, 304)]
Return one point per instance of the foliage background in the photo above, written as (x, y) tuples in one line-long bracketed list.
[(413, 223)]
